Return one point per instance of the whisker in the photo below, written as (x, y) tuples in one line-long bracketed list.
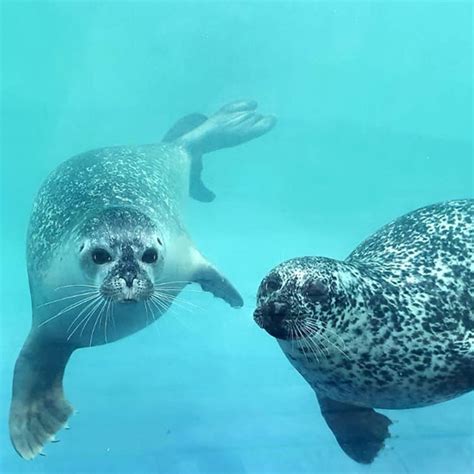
[(84, 293), (76, 286), (320, 333), (179, 289), (159, 305), (171, 309), (97, 319), (90, 316), (186, 282), (146, 312), (313, 325), (83, 310), (91, 308), (179, 300), (67, 309), (107, 315)]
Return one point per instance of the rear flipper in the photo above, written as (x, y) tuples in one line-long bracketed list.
[(38, 409), (361, 432), (197, 189), (233, 124)]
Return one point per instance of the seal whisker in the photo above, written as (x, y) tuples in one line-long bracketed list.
[(178, 299), (303, 347), (164, 283), (145, 305), (83, 310), (97, 320), (173, 310), (312, 344), (76, 286), (90, 309), (107, 315), (85, 293), (319, 332), (316, 349), (166, 299), (90, 315), (158, 304), (178, 288), (67, 309)]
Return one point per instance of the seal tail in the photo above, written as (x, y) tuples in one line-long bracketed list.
[(197, 189), (38, 409)]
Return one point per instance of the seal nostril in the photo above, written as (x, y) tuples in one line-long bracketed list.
[(129, 278), (277, 311)]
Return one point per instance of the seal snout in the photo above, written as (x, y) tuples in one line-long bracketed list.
[(271, 316)]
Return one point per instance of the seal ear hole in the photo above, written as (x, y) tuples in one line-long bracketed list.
[(315, 289), (101, 256), (150, 255), (159, 241), (81, 248)]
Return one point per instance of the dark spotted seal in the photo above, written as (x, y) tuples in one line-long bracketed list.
[(390, 327), (108, 253)]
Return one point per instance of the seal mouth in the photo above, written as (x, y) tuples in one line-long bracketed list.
[(283, 328), (129, 300)]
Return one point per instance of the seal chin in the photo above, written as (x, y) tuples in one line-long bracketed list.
[(278, 332)]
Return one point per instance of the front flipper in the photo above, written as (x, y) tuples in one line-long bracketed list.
[(361, 432), (38, 409), (211, 280)]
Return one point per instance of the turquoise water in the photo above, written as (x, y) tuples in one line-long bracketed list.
[(374, 101)]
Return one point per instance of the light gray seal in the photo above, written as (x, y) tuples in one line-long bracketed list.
[(107, 254), (390, 327)]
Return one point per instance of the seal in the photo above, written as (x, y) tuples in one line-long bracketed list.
[(390, 327), (107, 254)]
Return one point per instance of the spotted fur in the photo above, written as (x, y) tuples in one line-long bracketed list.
[(136, 177), (392, 326)]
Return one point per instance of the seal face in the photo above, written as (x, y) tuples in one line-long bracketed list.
[(390, 327), (108, 254)]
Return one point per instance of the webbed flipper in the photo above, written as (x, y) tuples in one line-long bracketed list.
[(233, 124), (38, 408), (211, 280), (360, 431), (197, 189)]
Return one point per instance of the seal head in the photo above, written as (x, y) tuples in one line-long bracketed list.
[(299, 296)]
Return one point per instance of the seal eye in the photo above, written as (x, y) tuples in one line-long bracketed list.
[(315, 289), (101, 256), (150, 256), (272, 284)]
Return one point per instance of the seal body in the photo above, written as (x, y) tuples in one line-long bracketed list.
[(392, 326), (108, 254)]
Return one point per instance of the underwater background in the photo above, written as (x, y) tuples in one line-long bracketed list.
[(374, 106)]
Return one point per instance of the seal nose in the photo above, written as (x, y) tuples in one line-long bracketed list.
[(271, 317), (129, 274), (276, 312), (129, 278)]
